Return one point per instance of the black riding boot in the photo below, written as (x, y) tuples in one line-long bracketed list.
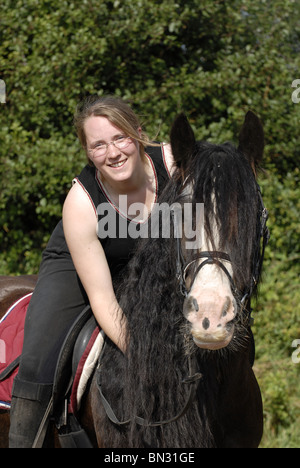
[(28, 407)]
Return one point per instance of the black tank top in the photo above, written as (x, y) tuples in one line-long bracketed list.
[(117, 233)]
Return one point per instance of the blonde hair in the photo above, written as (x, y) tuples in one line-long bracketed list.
[(117, 111)]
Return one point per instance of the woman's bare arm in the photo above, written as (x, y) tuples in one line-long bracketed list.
[(80, 223)]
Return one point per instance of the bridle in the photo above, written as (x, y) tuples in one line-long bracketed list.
[(212, 258), (216, 258)]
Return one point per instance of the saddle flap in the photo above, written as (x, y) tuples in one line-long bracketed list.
[(82, 343), (63, 373)]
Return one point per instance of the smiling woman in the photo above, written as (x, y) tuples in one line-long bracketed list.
[(117, 112), (115, 155), (78, 267)]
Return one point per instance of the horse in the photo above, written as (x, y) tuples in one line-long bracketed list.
[(186, 379)]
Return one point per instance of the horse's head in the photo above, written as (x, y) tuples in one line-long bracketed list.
[(217, 274)]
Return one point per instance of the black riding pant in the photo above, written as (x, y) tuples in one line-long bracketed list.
[(57, 301)]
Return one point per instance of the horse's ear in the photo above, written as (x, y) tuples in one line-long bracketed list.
[(252, 139), (183, 141)]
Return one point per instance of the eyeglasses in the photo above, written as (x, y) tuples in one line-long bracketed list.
[(101, 148)]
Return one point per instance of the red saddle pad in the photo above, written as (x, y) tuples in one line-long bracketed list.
[(11, 344)]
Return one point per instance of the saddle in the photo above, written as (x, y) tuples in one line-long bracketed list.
[(77, 360)]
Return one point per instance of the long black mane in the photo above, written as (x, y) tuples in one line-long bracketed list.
[(156, 361)]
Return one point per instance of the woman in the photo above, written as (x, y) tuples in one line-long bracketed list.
[(81, 263)]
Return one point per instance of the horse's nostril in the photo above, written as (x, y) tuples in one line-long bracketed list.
[(206, 323)]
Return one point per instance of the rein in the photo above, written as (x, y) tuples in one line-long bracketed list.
[(192, 379)]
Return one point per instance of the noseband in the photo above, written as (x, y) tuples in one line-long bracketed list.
[(212, 258)]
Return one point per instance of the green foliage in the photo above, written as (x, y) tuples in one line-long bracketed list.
[(277, 314), (212, 59)]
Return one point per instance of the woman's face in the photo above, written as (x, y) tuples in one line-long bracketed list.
[(116, 165)]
